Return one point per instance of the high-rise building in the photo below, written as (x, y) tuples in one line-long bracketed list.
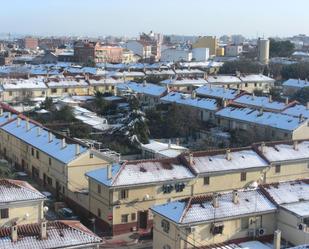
[(210, 42), (263, 50)]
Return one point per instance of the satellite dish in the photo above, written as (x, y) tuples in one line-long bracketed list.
[(45, 209), (26, 216)]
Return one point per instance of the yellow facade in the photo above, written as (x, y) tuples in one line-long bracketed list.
[(220, 51), (207, 42)]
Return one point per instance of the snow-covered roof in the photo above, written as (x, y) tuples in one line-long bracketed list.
[(184, 82), (217, 92), (16, 84), (41, 142), (297, 83), (104, 81), (164, 149), (288, 192), (284, 152), (60, 234), (160, 72), (186, 99), (189, 71), (142, 88), (15, 191), (256, 78), (223, 79), (6, 116), (260, 102), (201, 64), (298, 208), (217, 161), (143, 172), (275, 120), (200, 209), (67, 83), (297, 110), (126, 74)]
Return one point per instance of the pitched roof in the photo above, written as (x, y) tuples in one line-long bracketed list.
[(297, 83), (201, 209), (142, 172), (14, 190), (143, 88), (60, 234), (217, 92), (297, 110)]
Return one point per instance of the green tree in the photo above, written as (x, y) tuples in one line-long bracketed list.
[(280, 48), (65, 114), (302, 95), (243, 66), (47, 103), (296, 71)]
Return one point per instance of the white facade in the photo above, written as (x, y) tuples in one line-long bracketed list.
[(172, 55), (200, 54), (233, 50), (139, 48)]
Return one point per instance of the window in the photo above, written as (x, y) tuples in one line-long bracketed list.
[(54, 90), (246, 84), (217, 229), (91, 155), (99, 188), (245, 223), (99, 212), (124, 218), (165, 226), (4, 213), (10, 93), (124, 194), (308, 165), (37, 154), (306, 221), (49, 181), (49, 161), (277, 168), (179, 187), (133, 216), (32, 151), (206, 180), (65, 90), (243, 176)]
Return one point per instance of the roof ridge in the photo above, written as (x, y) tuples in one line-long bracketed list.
[(24, 185), (186, 209)]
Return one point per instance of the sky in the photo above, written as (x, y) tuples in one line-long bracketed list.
[(128, 18)]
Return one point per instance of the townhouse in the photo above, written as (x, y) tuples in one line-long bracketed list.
[(265, 124), (19, 203), (103, 85), (213, 219), (67, 86), (204, 107), (120, 195), (292, 200), (148, 94), (57, 162), (18, 90)]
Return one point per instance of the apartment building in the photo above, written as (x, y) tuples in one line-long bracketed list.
[(19, 203), (59, 163), (120, 195), (141, 48), (67, 86), (219, 93), (265, 124), (213, 219)]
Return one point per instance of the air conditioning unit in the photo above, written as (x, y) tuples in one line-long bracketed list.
[(260, 232), (190, 229), (302, 226), (251, 233)]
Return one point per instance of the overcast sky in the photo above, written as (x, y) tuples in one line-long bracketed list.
[(129, 17)]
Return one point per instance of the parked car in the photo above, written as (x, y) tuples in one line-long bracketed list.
[(50, 198), (67, 214)]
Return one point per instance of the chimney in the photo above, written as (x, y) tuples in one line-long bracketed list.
[(109, 172), (295, 145), (235, 197), (63, 143), (9, 115), (27, 125), (43, 230), (205, 76), (50, 137), (261, 111), (144, 83), (177, 141), (39, 129), (301, 118), (277, 239), (307, 105), (14, 236), (286, 100), (270, 98), (167, 89), (169, 144), (18, 121), (193, 94), (77, 149), (228, 155), (215, 201), (224, 103), (263, 147), (1, 112), (191, 161)]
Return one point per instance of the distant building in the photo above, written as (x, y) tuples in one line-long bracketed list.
[(29, 43), (233, 50), (207, 42), (263, 50), (176, 54), (141, 48), (200, 54)]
